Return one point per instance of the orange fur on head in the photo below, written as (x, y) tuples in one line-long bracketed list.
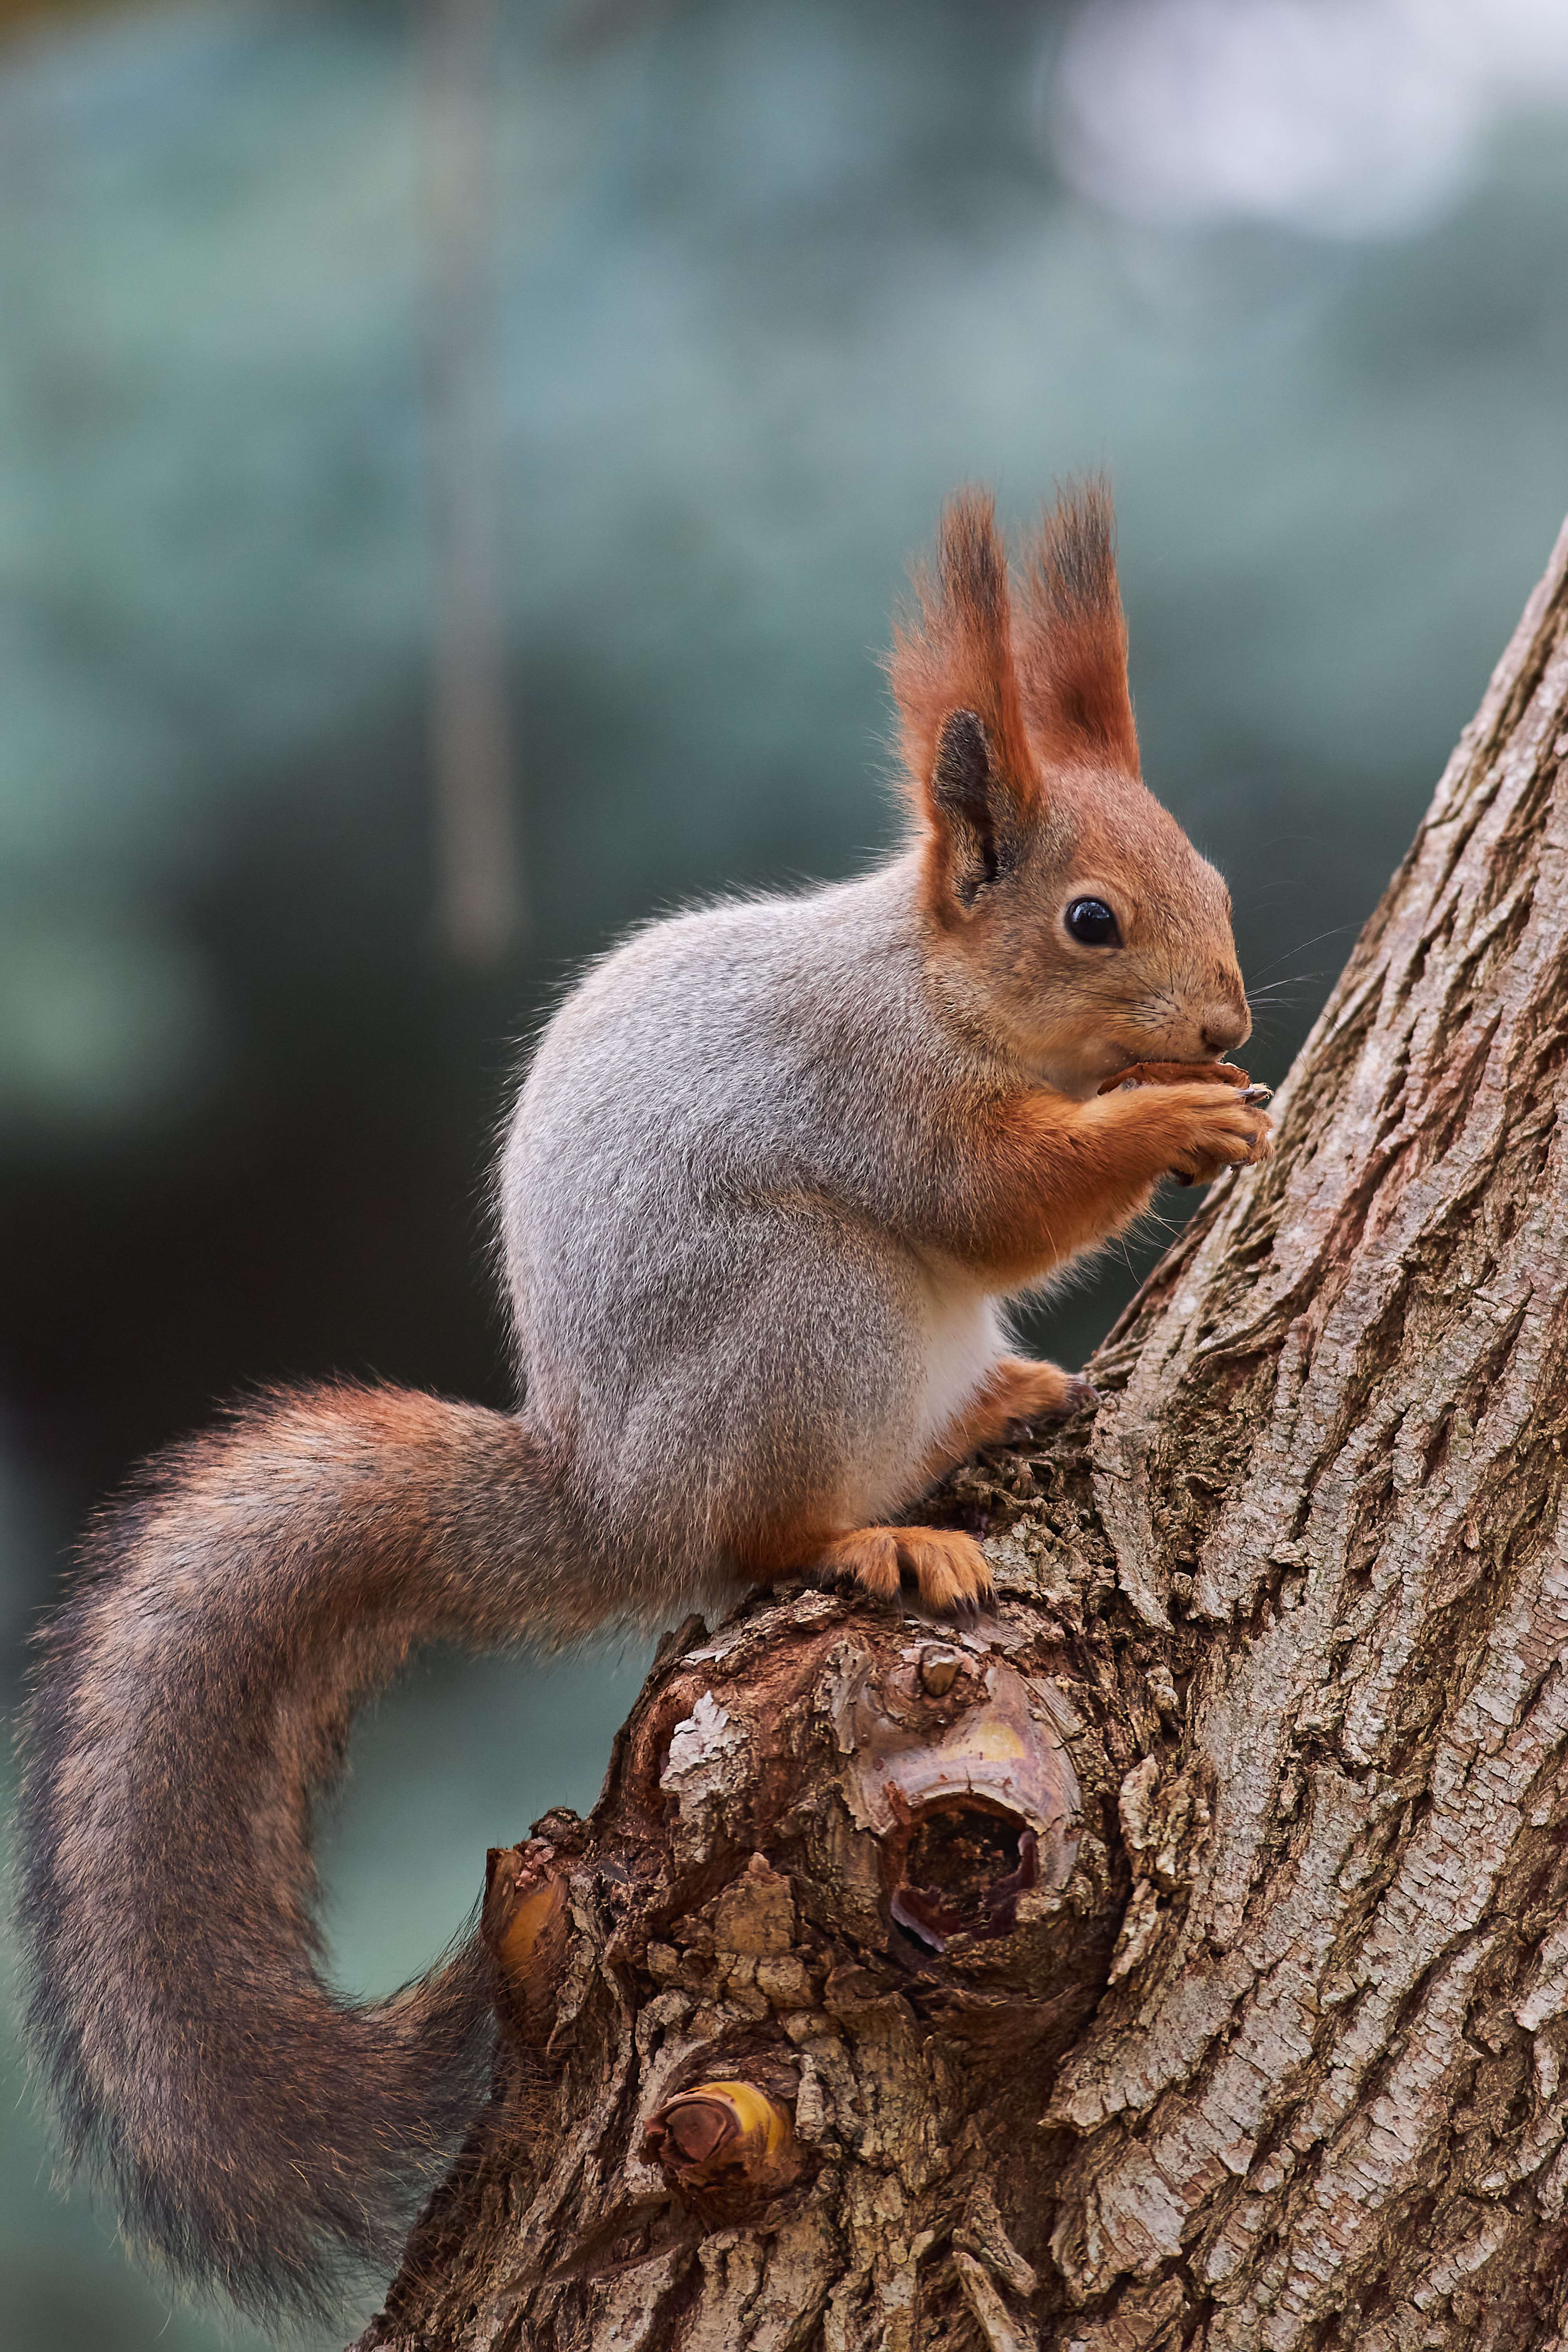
[(1072, 635)]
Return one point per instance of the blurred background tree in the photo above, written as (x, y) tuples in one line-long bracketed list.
[(755, 282)]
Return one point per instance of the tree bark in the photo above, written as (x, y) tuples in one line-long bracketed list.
[(1178, 1956)]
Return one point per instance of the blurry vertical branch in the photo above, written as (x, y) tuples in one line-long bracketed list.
[(480, 902)]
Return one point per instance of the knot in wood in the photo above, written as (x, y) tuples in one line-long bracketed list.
[(724, 2133), (968, 1785)]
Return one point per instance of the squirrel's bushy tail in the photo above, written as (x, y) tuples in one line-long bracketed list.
[(192, 1696)]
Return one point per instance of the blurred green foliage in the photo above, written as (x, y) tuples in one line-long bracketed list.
[(774, 275)]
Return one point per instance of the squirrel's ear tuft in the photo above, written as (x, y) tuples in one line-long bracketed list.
[(966, 751), (1072, 635)]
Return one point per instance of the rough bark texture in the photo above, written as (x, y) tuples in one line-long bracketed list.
[(1180, 1957)]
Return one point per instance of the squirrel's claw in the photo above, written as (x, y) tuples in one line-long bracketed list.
[(1080, 1396)]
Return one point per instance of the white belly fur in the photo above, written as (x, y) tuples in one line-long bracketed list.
[(963, 1337)]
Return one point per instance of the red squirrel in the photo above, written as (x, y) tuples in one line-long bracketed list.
[(773, 1175)]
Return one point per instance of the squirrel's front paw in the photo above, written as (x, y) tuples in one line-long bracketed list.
[(1213, 1128)]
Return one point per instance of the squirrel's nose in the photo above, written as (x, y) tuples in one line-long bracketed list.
[(1225, 1026)]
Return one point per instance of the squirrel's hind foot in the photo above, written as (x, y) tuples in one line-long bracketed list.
[(1021, 1393), (1018, 1394), (947, 1566)]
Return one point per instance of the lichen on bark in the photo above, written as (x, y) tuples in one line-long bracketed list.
[(1239, 2018)]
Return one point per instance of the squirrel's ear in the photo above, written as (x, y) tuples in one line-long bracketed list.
[(1072, 635), (971, 772), (975, 811)]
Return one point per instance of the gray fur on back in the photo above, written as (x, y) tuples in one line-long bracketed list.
[(733, 1112)]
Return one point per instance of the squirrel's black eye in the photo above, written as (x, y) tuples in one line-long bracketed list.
[(1091, 922)]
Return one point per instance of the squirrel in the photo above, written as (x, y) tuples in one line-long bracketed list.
[(775, 1172)]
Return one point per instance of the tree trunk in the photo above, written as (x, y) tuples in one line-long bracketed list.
[(1180, 1956)]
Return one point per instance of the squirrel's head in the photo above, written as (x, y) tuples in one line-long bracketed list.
[(1068, 913)]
